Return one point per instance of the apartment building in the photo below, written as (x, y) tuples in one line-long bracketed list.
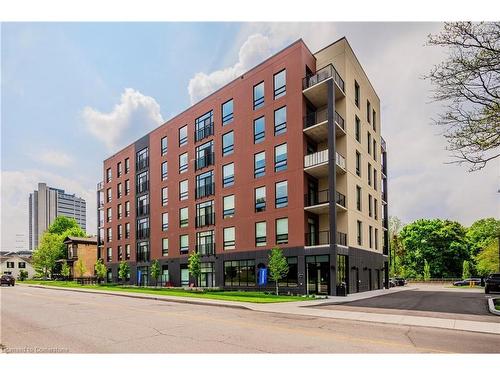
[(288, 155), (45, 204)]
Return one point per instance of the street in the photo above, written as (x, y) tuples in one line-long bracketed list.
[(67, 321)]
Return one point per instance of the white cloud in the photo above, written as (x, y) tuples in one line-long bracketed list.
[(135, 115), (55, 158)]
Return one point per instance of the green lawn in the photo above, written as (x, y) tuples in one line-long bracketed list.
[(240, 296)]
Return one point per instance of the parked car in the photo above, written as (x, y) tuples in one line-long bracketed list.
[(8, 279), (475, 281), (492, 283), (399, 281), (392, 283)]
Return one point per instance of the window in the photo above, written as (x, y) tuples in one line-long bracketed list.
[(183, 162), (258, 95), (369, 174), (183, 217), (282, 231), (164, 196), (127, 251), (164, 247), (109, 235), (184, 244), (228, 175), (119, 232), (109, 253), (108, 195), (119, 251), (280, 158), (228, 143), (127, 230), (164, 170), (21, 264), (118, 190), (142, 252), (259, 130), (143, 228), (291, 279), (280, 121), (359, 227), (164, 145), (374, 116), (229, 238), (259, 167), (205, 214), (10, 265), (260, 234), (108, 215), (369, 142), (281, 194), (370, 205), (142, 182), (368, 111), (204, 155), (183, 135), (142, 159), (358, 198), (358, 129), (239, 273), (127, 209), (376, 239), (127, 165), (374, 150), (227, 112), (356, 94), (375, 209), (228, 202), (120, 212), (164, 221), (280, 84), (260, 199), (205, 242), (127, 187), (370, 236), (119, 169), (204, 126), (358, 163), (143, 205), (205, 185), (183, 190), (374, 179), (108, 175)]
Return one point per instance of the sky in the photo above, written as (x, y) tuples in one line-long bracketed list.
[(72, 94)]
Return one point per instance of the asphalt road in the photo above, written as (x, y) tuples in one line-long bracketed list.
[(35, 319)]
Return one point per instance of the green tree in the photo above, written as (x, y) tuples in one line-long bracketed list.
[(441, 242), (278, 266), (465, 270), (61, 224), (65, 269), (100, 270), (123, 270), (427, 270), (194, 266), (23, 275), (47, 254), (481, 233), (487, 261), (155, 270), (395, 245), (80, 268)]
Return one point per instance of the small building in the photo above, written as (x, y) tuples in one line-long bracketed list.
[(13, 263), (84, 249)]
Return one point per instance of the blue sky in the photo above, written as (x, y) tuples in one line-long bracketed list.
[(63, 84)]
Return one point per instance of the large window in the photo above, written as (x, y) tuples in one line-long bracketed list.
[(357, 130), (183, 135), (259, 164), (183, 190), (239, 273), (205, 155), (280, 84), (204, 126), (291, 279), (183, 217), (356, 94), (280, 158), (205, 214), (260, 199), (164, 247), (228, 175), (258, 95), (282, 231), (205, 185), (205, 242), (280, 121), (142, 159), (164, 221), (164, 170), (143, 205), (164, 196), (260, 234), (183, 162), (142, 182), (229, 238), (228, 143), (358, 197), (143, 228), (184, 244), (227, 112), (228, 202), (259, 130), (164, 145), (281, 191)]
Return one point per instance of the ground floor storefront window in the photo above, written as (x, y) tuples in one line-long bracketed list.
[(239, 273), (143, 276), (291, 279), (184, 275), (207, 275), (318, 274)]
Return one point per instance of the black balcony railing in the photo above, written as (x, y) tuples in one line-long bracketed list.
[(142, 233), (322, 196), (342, 238), (340, 199), (143, 210), (205, 190), (323, 238), (317, 117), (204, 161), (205, 220), (142, 256), (324, 73), (205, 131), (142, 187), (142, 163), (206, 249)]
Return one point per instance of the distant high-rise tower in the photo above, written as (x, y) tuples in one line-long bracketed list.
[(45, 204)]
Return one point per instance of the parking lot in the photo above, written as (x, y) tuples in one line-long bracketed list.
[(434, 301)]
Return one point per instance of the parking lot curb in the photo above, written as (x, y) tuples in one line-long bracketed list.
[(491, 306)]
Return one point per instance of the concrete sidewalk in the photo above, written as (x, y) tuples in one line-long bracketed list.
[(305, 308)]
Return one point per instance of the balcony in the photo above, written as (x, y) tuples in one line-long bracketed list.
[(318, 202), (142, 233), (142, 163), (142, 256), (143, 210), (316, 125), (204, 161), (204, 131), (315, 88), (142, 187), (100, 186), (205, 190), (205, 220), (322, 238), (316, 164), (206, 249)]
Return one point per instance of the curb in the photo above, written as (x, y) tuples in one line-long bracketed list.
[(491, 305)]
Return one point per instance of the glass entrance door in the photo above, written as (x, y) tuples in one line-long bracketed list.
[(318, 274)]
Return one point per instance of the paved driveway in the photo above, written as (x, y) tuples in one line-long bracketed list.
[(433, 302)]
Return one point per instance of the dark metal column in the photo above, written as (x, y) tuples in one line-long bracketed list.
[(332, 188)]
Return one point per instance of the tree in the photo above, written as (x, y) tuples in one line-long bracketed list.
[(427, 271), (487, 261), (155, 270), (100, 270), (123, 270), (80, 268), (278, 266), (194, 265), (61, 224), (468, 82), (65, 269), (480, 234), (465, 270), (47, 254), (395, 244), (23, 275)]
